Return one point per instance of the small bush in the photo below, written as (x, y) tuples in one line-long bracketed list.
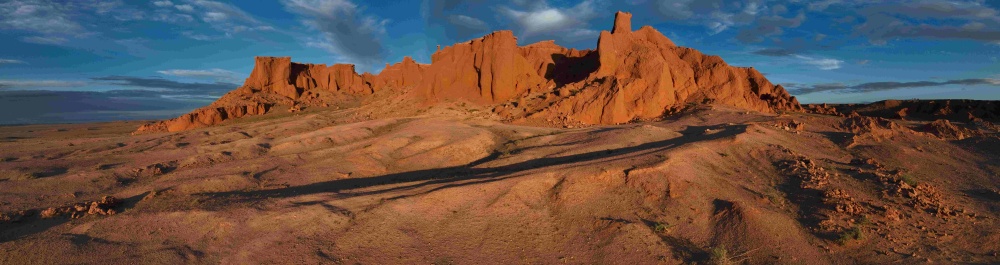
[(864, 221), (719, 256), (661, 228), (854, 233), (909, 180)]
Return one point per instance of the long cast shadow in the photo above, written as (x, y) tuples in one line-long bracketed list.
[(471, 174)]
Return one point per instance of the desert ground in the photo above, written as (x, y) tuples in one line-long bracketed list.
[(453, 185)]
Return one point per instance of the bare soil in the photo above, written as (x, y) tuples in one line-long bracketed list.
[(454, 186)]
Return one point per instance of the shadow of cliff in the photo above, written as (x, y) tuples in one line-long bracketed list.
[(566, 70), (471, 173)]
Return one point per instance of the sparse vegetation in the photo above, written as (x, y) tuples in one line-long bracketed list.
[(443, 261), (848, 235), (719, 256), (864, 221), (662, 228), (775, 197), (909, 179)]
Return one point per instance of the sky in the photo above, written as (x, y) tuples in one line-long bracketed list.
[(99, 60)]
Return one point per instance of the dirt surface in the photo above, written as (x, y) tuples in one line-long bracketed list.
[(710, 185)]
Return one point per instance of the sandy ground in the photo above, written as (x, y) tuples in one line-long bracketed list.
[(710, 186)]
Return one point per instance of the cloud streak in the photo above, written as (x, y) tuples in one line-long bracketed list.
[(43, 106), (19, 84), (776, 52), (882, 86), (215, 74), (217, 88), (821, 63), (11, 61)]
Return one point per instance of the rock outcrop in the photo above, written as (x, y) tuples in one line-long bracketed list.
[(944, 129), (632, 75), (929, 110), (642, 74)]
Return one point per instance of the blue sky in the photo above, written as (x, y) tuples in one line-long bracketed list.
[(94, 60)]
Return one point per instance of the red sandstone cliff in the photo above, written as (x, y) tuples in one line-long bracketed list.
[(642, 73), (632, 75)]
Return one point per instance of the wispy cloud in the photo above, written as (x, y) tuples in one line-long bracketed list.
[(42, 106), (467, 22), (753, 19), (52, 40), (821, 63), (43, 19), (967, 20), (214, 74), (345, 30), (774, 52), (881, 86), (216, 88), (163, 3), (11, 61), (30, 84), (541, 18), (223, 17)]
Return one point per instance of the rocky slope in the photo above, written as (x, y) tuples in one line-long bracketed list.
[(632, 75), (926, 110), (713, 184)]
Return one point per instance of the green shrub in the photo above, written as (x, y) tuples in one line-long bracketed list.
[(854, 233)]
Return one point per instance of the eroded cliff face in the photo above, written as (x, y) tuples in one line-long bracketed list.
[(484, 70), (642, 74), (632, 75)]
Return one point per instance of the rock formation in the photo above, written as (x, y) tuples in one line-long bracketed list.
[(642, 74), (929, 110), (632, 75)]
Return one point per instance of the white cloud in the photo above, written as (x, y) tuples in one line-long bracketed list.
[(199, 36), (163, 3), (17, 84), (185, 8), (467, 21), (543, 19), (722, 22), (45, 40), (322, 8), (11, 61), (582, 34), (214, 16), (215, 74), (172, 17), (821, 63), (223, 17), (102, 7), (39, 17), (227, 11), (753, 18)]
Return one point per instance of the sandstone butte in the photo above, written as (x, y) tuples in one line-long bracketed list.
[(632, 75)]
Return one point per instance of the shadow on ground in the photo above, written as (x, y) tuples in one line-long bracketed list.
[(472, 174)]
